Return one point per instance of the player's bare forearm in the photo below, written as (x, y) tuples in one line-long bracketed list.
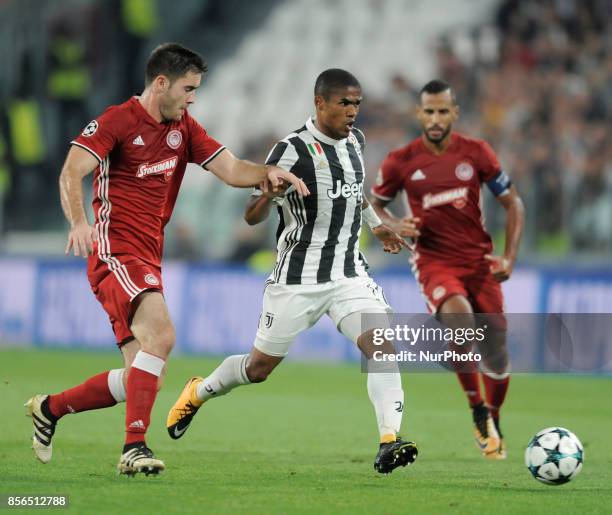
[(71, 196), (501, 267), (243, 174), (247, 174), (81, 236), (237, 172), (515, 221), (79, 163), (406, 227), (257, 209), (380, 206)]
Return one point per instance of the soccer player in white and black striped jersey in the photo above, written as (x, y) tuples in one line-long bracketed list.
[(319, 268)]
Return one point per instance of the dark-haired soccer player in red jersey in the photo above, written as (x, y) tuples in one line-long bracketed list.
[(138, 151), (441, 174)]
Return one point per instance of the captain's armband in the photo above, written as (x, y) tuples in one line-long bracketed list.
[(500, 184)]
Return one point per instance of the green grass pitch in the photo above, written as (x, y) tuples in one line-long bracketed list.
[(303, 442)]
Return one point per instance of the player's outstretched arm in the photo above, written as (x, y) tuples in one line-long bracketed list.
[(243, 174), (502, 266), (81, 236), (407, 227)]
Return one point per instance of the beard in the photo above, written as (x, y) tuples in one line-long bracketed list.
[(440, 138), (169, 110)]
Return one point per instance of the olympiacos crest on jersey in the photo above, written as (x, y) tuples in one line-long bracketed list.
[(151, 279), (174, 139), (439, 292), (464, 171)]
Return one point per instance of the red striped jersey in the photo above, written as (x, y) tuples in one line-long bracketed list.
[(141, 166)]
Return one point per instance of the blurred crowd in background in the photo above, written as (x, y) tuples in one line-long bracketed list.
[(535, 82)]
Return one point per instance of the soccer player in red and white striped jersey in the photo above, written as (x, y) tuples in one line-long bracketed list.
[(138, 152)]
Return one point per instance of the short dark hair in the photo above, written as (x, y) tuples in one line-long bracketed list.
[(433, 87), (173, 60), (332, 80)]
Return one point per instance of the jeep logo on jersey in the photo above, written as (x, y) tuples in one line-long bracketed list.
[(346, 190), (166, 167), (457, 197)]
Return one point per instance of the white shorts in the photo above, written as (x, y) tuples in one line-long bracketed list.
[(290, 309)]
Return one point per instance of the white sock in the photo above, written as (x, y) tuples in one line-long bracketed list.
[(228, 375), (115, 384), (148, 363), (387, 396)]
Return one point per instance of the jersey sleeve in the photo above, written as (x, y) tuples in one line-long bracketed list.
[(389, 179), (489, 166), (285, 156), (360, 136), (101, 135), (491, 172), (202, 147)]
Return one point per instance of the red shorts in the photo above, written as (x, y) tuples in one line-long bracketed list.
[(116, 281), (439, 282)]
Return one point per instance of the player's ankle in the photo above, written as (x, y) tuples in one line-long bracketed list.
[(132, 445), (46, 410), (388, 438)]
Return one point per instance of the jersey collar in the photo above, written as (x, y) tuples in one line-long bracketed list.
[(319, 135), (449, 149)]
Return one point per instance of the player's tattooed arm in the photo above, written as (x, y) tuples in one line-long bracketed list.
[(243, 174), (502, 266), (81, 236), (406, 227)]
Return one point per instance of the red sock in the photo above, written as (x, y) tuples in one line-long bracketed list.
[(469, 377), (495, 392), (141, 393), (92, 394), (470, 382)]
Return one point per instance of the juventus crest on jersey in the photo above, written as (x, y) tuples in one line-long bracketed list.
[(318, 236)]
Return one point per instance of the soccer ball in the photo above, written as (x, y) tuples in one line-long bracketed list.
[(554, 456)]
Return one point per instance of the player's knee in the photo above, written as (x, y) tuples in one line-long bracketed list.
[(497, 362), (167, 339), (456, 304), (257, 373), (161, 340)]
